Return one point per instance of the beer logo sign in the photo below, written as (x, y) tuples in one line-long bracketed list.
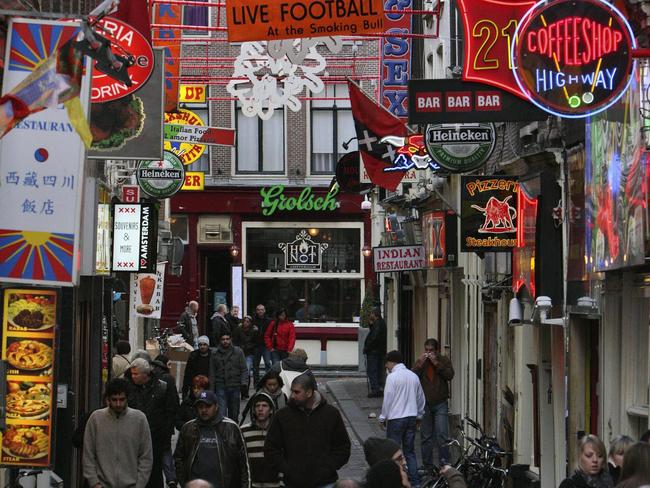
[(460, 148), (573, 58), (161, 179), (303, 252)]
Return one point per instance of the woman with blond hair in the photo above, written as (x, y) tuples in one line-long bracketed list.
[(617, 447), (591, 466)]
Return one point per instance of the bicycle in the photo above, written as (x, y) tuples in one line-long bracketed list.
[(479, 462)]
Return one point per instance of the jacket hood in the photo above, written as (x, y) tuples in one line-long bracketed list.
[(160, 365), (254, 401)]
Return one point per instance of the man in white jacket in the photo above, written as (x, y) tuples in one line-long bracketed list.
[(402, 409)]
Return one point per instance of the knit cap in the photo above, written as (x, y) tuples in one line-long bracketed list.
[(203, 340), (376, 449)]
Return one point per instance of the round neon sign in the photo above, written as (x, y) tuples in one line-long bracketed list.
[(573, 58)]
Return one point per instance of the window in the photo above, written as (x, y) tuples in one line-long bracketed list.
[(308, 300), (260, 143), (331, 126), (195, 15)]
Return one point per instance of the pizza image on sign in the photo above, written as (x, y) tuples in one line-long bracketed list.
[(188, 152)]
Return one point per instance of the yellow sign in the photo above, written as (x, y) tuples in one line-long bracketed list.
[(192, 93), (28, 325), (194, 180), (188, 152)]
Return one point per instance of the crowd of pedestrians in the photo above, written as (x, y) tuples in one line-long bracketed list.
[(288, 434)]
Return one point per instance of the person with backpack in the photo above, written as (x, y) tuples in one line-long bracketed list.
[(153, 398), (121, 360), (280, 336)]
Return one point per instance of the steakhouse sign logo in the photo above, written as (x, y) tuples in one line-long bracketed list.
[(460, 147), (573, 58)]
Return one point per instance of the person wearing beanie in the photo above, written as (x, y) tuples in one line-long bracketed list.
[(376, 449), (262, 475), (198, 363), (385, 474)]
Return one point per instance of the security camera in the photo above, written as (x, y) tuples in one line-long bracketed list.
[(515, 313), (544, 304)]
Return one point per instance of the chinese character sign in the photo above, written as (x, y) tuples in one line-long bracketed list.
[(41, 173)]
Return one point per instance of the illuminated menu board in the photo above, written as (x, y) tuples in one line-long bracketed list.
[(29, 318)]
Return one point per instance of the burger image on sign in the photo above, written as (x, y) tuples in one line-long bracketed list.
[(106, 88), (188, 152), (460, 148), (113, 123), (161, 179), (573, 58)]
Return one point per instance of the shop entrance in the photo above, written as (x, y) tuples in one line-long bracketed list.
[(215, 281)]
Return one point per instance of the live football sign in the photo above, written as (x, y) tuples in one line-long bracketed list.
[(105, 88), (456, 101)]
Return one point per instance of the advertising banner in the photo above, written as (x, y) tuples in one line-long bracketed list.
[(251, 20), (488, 213), (524, 255), (209, 136), (194, 181), (439, 236), (29, 319), (134, 237), (147, 292), (489, 32), (187, 151), (398, 258), (131, 127), (169, 38), (396, 59), (42, 172), (192, 93), (456, 101)]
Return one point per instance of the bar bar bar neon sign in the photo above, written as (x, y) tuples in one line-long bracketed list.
[(573, 58)]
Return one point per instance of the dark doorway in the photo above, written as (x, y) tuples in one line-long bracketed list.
[(405, 315), (215, 280)]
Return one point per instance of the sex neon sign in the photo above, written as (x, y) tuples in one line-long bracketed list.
[(573, 58)]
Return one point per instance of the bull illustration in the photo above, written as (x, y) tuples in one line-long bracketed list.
[(411, 152), (498, 216)]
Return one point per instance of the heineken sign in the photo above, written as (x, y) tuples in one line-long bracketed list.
[(460, 148), (274, 199), (161, 179)]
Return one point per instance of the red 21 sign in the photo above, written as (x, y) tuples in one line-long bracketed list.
[(489, 30)]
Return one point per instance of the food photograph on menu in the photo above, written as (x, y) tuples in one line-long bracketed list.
[(29, 356), (28, 400), (29, 311), (26, 444)]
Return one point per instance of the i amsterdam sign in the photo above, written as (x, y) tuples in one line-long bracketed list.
[(573, 58), (447, 101)]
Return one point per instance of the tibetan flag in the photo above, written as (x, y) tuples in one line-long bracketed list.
[(372, 122), (55, 81)]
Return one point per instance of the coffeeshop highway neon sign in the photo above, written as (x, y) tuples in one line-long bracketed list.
[(274, 199)]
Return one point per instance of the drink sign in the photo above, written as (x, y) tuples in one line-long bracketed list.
[(573, 58), (273, 198)]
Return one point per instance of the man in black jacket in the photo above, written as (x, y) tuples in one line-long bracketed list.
[(211, 448), (375, 349), (229, 376), (199, 362), (219, 324), (159, 403), (307, 441), (261, 321), (188, 325)]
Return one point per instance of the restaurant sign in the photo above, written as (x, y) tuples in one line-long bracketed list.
[(134, 237), (147, 292), (573, 58), (489, 213), (398, 258), (303, 252), (29, 320)]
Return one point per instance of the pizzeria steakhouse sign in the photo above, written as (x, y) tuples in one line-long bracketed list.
[(573, 58)]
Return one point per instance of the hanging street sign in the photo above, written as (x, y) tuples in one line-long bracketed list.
[(489, 30), (573, 58), (488, 214), (448, 101), (303, 252), (192, 134), (135, 237), (194, 181), (161, 179), (192, 93), (189, 152), (460, 148), (398, 258), (106, 88)]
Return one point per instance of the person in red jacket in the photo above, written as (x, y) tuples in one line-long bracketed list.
[(280, 337)]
